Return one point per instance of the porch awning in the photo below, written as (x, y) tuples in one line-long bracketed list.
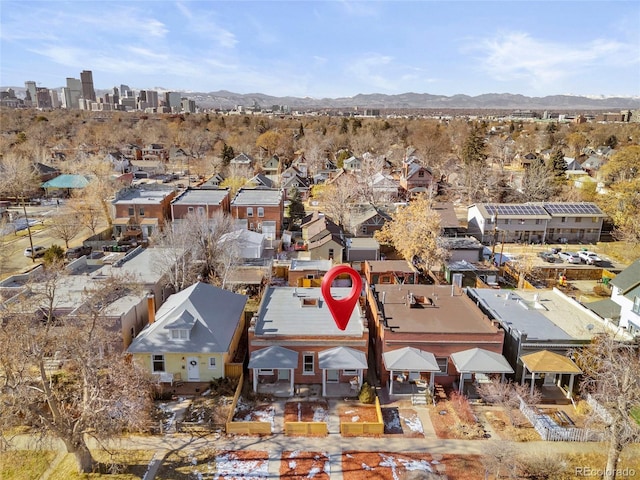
[(149, 221), (274, 357), (478, 360), (121, 221), (341, 358), (545, 361), (410, 359)]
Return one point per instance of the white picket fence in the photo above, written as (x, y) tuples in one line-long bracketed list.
[(599, 409), (550, 431)]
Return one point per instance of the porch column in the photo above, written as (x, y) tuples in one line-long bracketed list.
[(533, 381), (391, 383), (324, 383), (432, 381), (460, 388), (524, 374), (570, 391), (255, 380), (291, 382), (502, 378)]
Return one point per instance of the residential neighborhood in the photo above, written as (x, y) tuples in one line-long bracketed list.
[(196, 285)]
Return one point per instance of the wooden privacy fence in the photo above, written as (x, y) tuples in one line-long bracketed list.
[(550, 431), (244, 428), (306, 428), (354, 429), (233, 370)]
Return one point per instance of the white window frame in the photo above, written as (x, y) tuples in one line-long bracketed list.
[(249, 212), (265, 371), (260, 212), (443, 362), (212, 363), (636, 305), (305, 357), (350, 372), (180, 334), (158, 357)]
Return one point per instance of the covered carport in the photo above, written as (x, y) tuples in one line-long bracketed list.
[(479, 361), (337, 359), (276, 359), (411, 360)]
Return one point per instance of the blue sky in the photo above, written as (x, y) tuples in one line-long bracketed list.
[(327, 48)]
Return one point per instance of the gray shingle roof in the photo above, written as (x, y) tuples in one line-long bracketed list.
[(201, 197), (212, 313), (478, 360)]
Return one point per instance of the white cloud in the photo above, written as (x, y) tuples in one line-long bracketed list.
[(369, 70), (519, 56)]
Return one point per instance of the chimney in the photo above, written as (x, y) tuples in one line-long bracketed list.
[(151, 307)]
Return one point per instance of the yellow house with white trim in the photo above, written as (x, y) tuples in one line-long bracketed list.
[(193, 335)]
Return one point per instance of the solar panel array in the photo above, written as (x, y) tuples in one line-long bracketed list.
[(516, 209), (572, 209)]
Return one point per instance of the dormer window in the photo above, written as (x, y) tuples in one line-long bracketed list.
[(180, 334)]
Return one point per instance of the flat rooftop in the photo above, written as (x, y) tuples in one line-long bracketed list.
[(435, 310), (520, 312), (142, 196), (299, 312), (380, 266), (571, 317), (257, 196), (201, 197)]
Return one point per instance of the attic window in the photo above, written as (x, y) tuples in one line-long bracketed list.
[(180, 334), (309, 302)]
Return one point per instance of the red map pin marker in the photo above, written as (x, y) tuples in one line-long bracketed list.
[(341, 308)]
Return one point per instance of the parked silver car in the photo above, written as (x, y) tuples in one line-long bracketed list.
[(570, 257)]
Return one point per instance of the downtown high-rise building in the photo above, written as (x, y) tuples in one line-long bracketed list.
[(88, 92), (71, 94)]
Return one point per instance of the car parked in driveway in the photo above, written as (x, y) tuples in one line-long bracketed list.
[(570, 257), (547, 257), (38, 251), (588, 257), (77, 252)]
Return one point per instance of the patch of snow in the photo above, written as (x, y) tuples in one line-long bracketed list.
[(228, 465), (366, 467), (292, 464), (313, 472), (320, 414), (414, 423), (355, 418), (420, 465)]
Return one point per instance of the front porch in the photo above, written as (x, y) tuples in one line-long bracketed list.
[(282, 389)]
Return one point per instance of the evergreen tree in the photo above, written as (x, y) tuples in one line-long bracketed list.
[(227, 154), (474, 147), (296, 207), (557, 165)]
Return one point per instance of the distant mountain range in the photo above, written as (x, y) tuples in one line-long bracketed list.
[(224, 99), (492, 101)]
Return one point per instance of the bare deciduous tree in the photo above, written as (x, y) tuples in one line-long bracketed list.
[(612, 376), (66, 227), (64, 375), (19, 180), (508, 395)]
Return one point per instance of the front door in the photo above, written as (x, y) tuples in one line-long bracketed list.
[(333, 376), (193, 369), (283, 374), (549, 379)]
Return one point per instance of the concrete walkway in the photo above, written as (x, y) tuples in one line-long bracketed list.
[(333, 444)]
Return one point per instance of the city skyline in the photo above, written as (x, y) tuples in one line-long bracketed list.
[(328, 49)]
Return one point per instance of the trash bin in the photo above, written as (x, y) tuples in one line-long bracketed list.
[(605, 281)]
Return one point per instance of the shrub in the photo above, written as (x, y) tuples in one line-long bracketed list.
[(367, 393), (53, 255)]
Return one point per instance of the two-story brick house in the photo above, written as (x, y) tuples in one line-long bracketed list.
[(260, 210), (139, 212), (207, 202)]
